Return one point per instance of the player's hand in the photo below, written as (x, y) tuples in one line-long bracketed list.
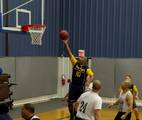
[(123, 117), (65, 98), (65, 41), (136, 97), (110, 105)]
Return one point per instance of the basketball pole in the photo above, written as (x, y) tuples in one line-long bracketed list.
[(1, 22), (42, 11), (1, 16), (6, 34)]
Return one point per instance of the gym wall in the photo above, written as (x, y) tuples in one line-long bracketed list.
[(39, 76), (34, 76)]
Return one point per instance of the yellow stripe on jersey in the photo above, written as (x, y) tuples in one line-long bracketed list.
[(135, 89), (73, 60), (89, 72)]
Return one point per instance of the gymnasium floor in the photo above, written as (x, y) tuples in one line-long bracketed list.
[(56, 110), (62, 114)]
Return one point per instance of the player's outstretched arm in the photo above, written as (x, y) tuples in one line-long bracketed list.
[(72, 58), (113, 104), (64, 36), (67, 48)]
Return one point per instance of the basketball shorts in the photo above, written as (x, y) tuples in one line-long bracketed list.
[(74, 92), (78, 118), (119, 114)]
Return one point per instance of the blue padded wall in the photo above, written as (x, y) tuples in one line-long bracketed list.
[(2, 44), (104, 28)]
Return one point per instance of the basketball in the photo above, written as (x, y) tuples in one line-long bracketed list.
[(64, 35)]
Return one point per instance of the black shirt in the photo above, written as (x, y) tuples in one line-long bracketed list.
[(79, 74)]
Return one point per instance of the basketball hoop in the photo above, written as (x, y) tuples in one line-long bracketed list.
[(36, 32)]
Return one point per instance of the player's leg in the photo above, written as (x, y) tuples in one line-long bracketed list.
[(128, 117), (71, 99), (136, 111), (71, 110), (74, 94), (118, 116)]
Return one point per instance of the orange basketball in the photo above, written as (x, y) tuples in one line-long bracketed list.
[(64, 35)]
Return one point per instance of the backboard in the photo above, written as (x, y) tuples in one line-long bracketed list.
[(16, 13)]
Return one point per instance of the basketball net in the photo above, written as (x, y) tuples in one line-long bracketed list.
[(36, 37), (36, 32)]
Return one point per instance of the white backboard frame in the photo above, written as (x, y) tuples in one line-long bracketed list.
[(18, 9), (25, 12)]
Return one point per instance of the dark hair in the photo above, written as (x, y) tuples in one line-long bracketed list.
[(29, 107)]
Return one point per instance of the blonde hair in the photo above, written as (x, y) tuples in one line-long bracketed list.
[(96, 85), (128, 75)]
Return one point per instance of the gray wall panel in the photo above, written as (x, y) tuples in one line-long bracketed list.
[(8, 66), (129, 66), (104, 71), (111, 72), (36, 76)]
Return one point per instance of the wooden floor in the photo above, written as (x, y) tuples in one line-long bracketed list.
[(63, 114)]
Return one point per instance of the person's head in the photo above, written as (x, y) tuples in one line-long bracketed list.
[(125, 84), (128, 76), (82, 59), (96, 85), (81, 53), (27, 110)]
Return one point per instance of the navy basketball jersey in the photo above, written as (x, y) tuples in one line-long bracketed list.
[(79, 74)]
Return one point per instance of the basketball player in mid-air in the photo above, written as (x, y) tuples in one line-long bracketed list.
[(80, 72)]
